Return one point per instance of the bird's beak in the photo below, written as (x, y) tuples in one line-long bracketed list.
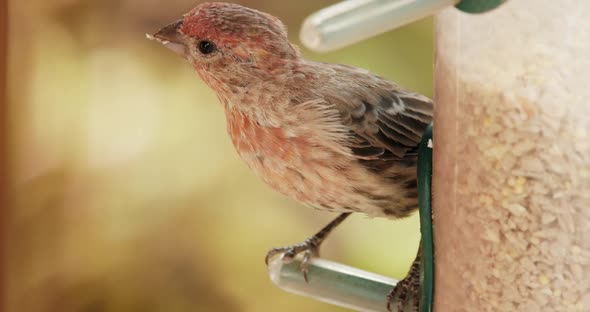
[(171, 37)]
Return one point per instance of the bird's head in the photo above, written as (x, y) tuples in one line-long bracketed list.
[(218, 38)]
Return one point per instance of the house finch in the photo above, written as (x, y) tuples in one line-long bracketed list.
[(331, 136)]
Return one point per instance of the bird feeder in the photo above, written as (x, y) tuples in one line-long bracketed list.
[(511, 182)]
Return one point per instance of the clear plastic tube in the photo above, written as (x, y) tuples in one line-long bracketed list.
[(333, 283), (351, 21)]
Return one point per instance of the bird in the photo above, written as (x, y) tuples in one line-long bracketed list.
[(330, 136)]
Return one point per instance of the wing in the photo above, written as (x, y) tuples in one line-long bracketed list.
[(390, 127), (386, 122)]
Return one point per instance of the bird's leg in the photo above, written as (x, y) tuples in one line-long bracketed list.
[(310, 247), (407, 291)]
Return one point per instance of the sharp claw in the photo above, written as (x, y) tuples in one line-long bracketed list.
[(271, 253), (305, 277), (305, 265), (268, 256), (309, 248)]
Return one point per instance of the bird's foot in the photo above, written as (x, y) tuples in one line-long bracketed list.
[(405, 296), (309, 248)]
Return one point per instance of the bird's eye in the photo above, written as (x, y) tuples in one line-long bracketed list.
[(206, 47)]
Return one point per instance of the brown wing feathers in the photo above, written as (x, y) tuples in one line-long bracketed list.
[(390, 128)]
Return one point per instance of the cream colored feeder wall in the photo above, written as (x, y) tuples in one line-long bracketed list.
[(511, 188)]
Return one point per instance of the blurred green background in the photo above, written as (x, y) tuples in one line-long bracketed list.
[(128, 195)]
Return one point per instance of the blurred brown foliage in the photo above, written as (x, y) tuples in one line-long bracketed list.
[(127, 193)]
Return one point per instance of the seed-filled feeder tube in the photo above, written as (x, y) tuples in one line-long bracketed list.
[(511, 180)]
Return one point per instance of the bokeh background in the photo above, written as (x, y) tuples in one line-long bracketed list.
[(127, 193)]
